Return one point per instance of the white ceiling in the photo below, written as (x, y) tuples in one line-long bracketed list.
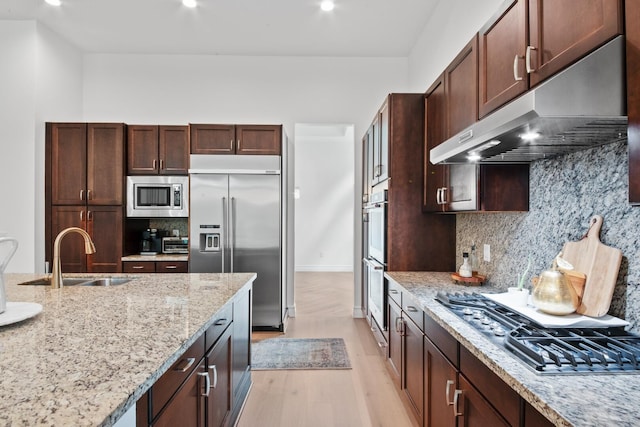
[(362, 28)]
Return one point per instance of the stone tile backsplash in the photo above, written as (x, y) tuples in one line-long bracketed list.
[(565, 192)]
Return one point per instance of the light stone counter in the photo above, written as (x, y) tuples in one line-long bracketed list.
[(93, 351), (567, 400)]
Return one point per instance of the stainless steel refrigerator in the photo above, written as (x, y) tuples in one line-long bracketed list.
[(236, 226)]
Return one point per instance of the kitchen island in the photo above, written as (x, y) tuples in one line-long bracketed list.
[(93, 351), (565, 400)]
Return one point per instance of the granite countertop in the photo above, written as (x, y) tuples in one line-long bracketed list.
[(566, 400), (93, 351), (158, 257)]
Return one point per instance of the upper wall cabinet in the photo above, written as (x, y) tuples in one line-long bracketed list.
[(86, 163), (632, 16), (236, 139), (377, 147), (527, 41), (157, 150)]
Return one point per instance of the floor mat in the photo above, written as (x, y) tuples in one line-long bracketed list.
[(299, 353)]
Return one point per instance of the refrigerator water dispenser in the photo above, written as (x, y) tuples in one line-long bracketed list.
[(209, 242)]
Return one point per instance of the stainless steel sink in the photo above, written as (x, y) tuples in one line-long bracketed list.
[(81, 281)]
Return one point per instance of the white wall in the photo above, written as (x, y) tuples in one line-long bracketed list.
[(450, 27), (324, 231), (17, 109), (40, 79)]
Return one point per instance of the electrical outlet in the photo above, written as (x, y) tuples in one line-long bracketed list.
[(487, 253)]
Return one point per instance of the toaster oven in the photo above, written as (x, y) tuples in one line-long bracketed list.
[(175, 245)]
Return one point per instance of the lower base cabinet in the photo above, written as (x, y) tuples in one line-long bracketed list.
[(446, 385), (200, 389), (155, 266)]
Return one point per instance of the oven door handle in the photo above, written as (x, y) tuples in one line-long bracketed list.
[(373, 264)]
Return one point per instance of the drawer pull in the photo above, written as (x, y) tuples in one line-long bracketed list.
[(393, 291), (138, 267), (382, 344), (170, 267), (412, 309), (185, 364), (220, 322)]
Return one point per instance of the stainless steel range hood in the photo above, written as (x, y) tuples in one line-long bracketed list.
[(581, 107)]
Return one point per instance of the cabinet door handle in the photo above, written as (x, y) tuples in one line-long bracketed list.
[(444, 195), (161, 164), (81, 194), (456, 396), (215, 375), (155, 163), (81, 216), (185, 364), (89, 215), (207, 384), (238, 145), (438, 192), (447, 390), (516, 77), (89, 195), (382, 344), (527, 59)]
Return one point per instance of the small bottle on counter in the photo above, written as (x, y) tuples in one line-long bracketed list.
[(465, 268), (473, 259)]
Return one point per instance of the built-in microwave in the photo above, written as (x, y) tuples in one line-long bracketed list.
[(157, 196)]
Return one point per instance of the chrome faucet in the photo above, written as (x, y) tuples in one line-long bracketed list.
[(89, 248)]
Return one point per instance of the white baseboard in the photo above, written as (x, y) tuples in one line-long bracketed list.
[(325, 268), (358, 313)]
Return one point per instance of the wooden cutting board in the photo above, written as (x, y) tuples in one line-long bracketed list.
[(600, 263)]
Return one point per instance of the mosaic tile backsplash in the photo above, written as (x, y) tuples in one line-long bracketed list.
[(565, 192)]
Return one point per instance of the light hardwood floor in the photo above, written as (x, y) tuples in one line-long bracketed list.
[(362, 396)]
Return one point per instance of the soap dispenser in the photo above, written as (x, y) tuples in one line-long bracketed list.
[(465, 268)]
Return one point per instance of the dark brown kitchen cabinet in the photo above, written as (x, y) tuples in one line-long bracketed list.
[(200, 389), (157, 150), (527, 41), (473, 409), (413, 374), (440, 382), (84, 187), (218, 396), (155, 267), (435, 133), (104, 225), (85, 163), (394, 313), (632, 17), (186, 408), (236, 139), (381, 148), (405, 220), (451, 105), (241, 362), (561, 32), (405, 355)]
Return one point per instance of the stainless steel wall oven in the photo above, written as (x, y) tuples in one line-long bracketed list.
[(376, 215)]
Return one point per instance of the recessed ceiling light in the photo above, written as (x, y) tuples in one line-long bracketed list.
[(54, 2), (327, 5), (530, 136), (189, 3)]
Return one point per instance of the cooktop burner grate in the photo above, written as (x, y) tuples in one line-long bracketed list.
[(548, 350)]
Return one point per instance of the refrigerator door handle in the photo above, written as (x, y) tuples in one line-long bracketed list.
[(232, 230), (224, 229)]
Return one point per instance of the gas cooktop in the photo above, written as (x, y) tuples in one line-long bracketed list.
[(548, 350)]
